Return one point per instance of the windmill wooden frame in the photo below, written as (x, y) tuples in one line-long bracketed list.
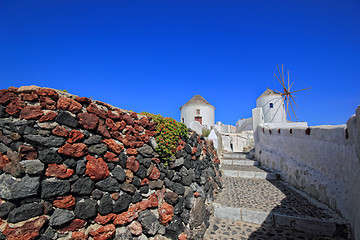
[(287, 93)]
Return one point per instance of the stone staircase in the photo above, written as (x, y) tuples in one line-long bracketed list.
[(256, 204)]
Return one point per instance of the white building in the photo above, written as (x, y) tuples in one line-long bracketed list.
[(272, 105), (198, 109)]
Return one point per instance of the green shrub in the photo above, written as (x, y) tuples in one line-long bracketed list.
[(205, 132), (168, 134)]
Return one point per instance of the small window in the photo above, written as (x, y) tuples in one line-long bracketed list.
[(271, 105), (182, 120), (197, 111)]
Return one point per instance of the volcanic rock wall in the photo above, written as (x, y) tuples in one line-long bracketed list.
[(74, 168)]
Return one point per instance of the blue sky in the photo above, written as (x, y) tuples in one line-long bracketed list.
[(155, 55)]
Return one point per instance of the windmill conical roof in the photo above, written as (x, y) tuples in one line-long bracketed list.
[(195, 100), (268, 92)]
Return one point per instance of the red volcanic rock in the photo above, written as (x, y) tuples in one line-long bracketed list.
[(152, 126), (193, 150), (92, 108), (15, 107), (110, 157), (115, 115), (74, 150), (75, 225), (60, 131), (182, 236), (75, 136), (78, 236), (145, 138), (129, 130), (96, 168), (132, 212), (8, 97), (150, 133), (131, 151), (32, 96), (2, 92), (115, 196), (113, 146), (28, 231), (153, 201), (145, 181), (179, 148), (132, 164), (155, 160), (103, 130), (46, 92), (128, 119), (103, 232), (4, 160), (48, 116), (139, 144), (47, 103), (31, 112), (69, 104), (105, 219), (59, 171), (28, 89), (13, 89), (166, 213), (130, 138), (144, 122), (129, 144), (108, 106), (138, 128), (27, 152), (129, 176), (196, 194), (116, 135), (88, 120), (67, 202), (111, 124), (155, 174), (134, 115), (135, 228), (126, 217), (122, 125), (83, 100)]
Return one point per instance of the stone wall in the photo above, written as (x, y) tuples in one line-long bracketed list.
[(74, 168), (323, 161)]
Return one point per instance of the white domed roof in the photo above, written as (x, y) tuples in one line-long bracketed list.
[(195, 100)]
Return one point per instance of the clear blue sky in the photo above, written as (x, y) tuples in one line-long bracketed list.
[(155, 55)]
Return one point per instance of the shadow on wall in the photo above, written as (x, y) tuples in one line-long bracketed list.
[(293, 216), (316, 157)]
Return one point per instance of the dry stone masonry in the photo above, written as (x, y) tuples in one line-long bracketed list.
[(74, 168)]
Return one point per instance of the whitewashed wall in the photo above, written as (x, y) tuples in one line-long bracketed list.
[(207, 112), (275, 114), (325, 163), (245, 124)]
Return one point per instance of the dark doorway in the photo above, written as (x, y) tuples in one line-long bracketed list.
[(199, 119)]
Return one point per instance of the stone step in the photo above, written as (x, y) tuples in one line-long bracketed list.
[(234, 155), (275, 204), (246, 171), (244, 162)]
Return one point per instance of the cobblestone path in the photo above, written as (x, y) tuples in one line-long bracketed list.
[(260, 208)]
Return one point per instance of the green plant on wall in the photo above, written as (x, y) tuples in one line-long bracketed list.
[(205, 132), (168, 134)]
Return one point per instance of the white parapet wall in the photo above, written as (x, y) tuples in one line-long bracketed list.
[(323, 161)]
